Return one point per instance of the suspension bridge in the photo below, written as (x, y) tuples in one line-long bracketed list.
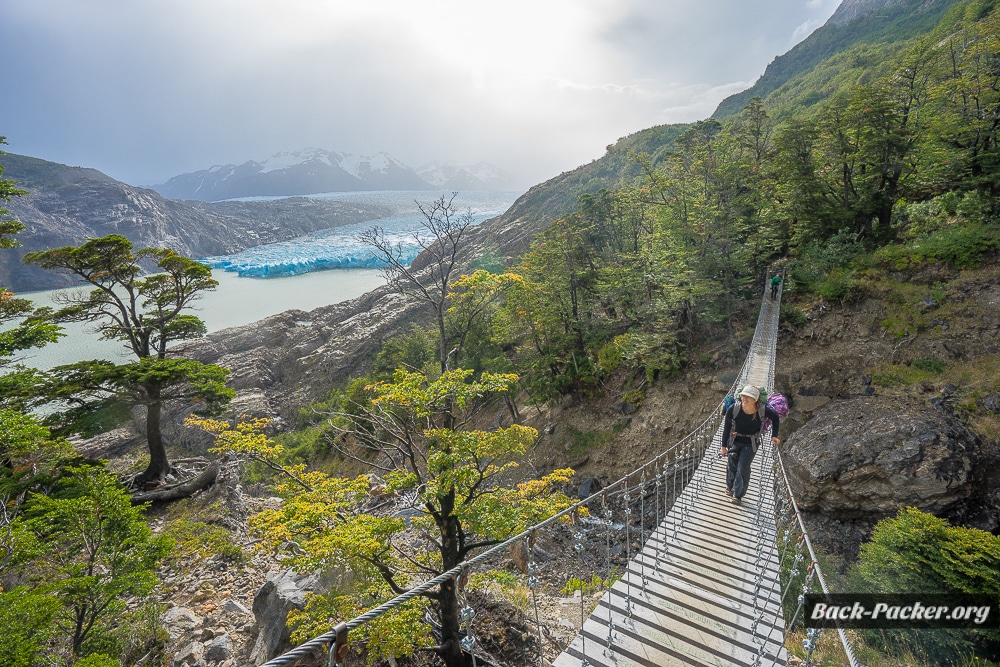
[(712, 583)]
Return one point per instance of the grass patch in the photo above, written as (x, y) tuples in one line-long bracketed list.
[(932, 366), (583, 441), (907, 375), (976, 378), (503, 584), (592, 585), (191, 524)]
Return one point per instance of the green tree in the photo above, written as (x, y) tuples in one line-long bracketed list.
[(471, 318), (30, 460), (551, 315), (147, 315), (967, 109), (417, 437), (27, 624), (94, 549), (34, 331)]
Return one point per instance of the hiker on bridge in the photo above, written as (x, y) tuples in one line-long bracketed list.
[(741, 436), (775, 285)]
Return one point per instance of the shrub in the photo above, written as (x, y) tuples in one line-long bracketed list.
[(791, 316), (97, 660), (916, 552), (934, 366), (26, 625), (838, 285), (959, 245), (611, 355)]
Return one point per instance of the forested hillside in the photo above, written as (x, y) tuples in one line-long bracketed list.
[(888, 27), (867, 167), (896, 169)]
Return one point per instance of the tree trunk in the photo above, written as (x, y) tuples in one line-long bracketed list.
[(451, 622), (158, 465)]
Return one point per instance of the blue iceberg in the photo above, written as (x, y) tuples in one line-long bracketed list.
[(338, 248)]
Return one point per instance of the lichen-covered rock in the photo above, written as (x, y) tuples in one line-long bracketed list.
[(190, 655), (867, 457), (179, 621)]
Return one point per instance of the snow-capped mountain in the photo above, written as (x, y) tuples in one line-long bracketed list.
[(482, 176), (314, 170)]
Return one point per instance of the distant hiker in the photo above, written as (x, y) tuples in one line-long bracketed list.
[(741, 435), (775, 284)]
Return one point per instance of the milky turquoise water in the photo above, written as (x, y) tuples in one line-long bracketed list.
[(236, 301)]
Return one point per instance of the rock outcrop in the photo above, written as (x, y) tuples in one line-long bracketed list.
[(281, 593), (288, 360), (862, 459)]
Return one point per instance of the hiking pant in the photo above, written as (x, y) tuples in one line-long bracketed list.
[(738, 469), (774, 291)]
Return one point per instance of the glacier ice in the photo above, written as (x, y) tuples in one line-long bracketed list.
[(340, 247)]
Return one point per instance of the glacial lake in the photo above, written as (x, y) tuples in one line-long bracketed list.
[(235, 302), (298, 277)]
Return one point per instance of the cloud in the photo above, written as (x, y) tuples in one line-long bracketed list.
[(144, 91)]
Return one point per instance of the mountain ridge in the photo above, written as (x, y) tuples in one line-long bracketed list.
[(316, 170), (67, 205), (854, 22)]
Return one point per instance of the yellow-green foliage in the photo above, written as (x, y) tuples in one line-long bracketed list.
[(588, 586), (400, 633), (456, 477), (918, 552)]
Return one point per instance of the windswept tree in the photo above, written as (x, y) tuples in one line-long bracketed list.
[(430, 278), (147, 314), (418, 438)]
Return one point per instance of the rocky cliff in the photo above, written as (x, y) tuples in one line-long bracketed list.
[(67, 205)]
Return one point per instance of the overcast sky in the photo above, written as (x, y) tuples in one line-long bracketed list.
[(147, 89)]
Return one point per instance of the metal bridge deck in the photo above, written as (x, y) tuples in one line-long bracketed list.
[(705, 588)]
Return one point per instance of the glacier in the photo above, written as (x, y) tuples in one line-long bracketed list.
[(340, 247)]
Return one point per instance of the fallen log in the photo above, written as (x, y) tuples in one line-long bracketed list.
[(178, 491)]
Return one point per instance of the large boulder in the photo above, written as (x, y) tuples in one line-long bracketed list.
[(860, 460), (864, 458), (281, 593)]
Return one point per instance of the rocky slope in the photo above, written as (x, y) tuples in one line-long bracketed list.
[(67, 205)]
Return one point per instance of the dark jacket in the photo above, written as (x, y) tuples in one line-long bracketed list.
[(746, 426)]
